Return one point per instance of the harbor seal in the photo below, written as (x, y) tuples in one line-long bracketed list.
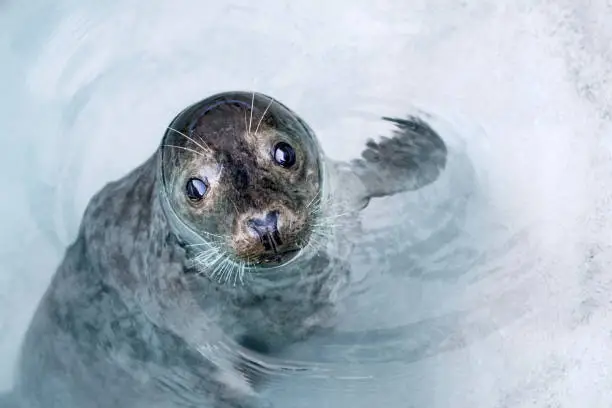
[(234, 234)]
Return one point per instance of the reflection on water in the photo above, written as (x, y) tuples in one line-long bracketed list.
[(487, 288)]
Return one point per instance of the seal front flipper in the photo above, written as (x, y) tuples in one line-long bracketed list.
[(412, 158)]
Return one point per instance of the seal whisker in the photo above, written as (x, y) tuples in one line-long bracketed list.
[(317, 211), (313, 245), (180, 221), (320, 232), (234, 274), (227, 268), (223, 270), (211, 263), (234, 204), (264, 114), (323, 224), (333, 217), (216, 271), (205, 147), (323, 229), (235, 271), (203, 259), (238, 274), (204, 243), (208, 253), (252, 107), (216, 268), (210, 246), (317, 206), (314, 199), (246, 126), (242, 272), (219, 263), (321, 236), (186, 148)]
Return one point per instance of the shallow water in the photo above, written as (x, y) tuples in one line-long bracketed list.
[(486, 289)]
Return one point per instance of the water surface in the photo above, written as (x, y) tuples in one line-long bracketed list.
[(488, 288)]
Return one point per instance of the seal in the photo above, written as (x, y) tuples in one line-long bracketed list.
[(232, 238)]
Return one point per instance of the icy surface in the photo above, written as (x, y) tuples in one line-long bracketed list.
[(490, 288)]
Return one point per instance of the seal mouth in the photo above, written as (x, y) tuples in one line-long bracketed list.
[(275, 258)]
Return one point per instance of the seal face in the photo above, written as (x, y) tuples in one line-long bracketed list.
[(239, 172)]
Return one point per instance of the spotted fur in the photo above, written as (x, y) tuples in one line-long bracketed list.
[(133, 318)]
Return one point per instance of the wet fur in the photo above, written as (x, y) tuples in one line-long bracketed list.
[(129, 320)]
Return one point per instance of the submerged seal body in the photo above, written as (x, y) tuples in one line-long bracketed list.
[(234, 233)]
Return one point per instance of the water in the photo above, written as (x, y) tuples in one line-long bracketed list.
[(485, 289)]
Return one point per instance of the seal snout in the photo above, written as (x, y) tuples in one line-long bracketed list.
[(266, 229), (268, 237)]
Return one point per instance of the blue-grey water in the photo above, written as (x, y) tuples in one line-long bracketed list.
[(489, 288)]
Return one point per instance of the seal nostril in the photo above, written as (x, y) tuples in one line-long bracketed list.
[(266, 229), (264, 225)]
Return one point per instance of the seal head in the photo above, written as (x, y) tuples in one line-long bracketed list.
[(240, 173)]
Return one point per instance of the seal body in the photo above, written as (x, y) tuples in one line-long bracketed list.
[(232, 238)]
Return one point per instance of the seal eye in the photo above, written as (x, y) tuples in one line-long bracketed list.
[(284, 154), (196, 189)]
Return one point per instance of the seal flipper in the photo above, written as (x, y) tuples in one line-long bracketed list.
[(413, 158)]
